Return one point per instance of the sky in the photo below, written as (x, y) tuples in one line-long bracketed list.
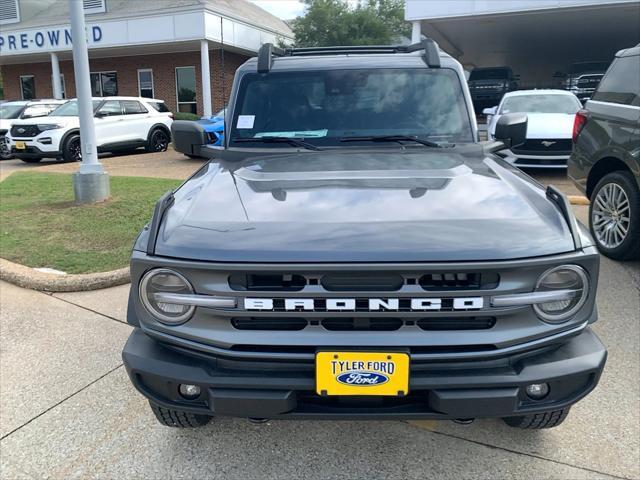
[(284, 9)]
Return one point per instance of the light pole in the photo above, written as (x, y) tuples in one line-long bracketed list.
[(91, 182)]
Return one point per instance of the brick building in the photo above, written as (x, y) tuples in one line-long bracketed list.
[(184, 52)]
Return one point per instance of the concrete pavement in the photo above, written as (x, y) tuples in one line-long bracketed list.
[(67, 410)]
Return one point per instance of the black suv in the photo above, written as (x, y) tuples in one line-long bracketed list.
[(353, 251), (605, 163), (488, 86)]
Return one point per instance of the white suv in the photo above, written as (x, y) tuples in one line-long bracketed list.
[(122, 123), (21, 110)]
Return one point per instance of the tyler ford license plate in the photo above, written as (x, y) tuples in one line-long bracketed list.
[(20, 145), (362, 373)]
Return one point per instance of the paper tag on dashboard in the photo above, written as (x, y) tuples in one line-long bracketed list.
[(245, 121)]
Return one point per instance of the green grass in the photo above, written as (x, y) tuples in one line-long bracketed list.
[(40, 226)]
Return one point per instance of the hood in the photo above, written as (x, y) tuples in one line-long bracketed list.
[(397, 206), (543, 125), (47, 119)]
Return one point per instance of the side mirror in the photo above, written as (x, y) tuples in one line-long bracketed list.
[(511, 129), (100, 114), (490, 111)]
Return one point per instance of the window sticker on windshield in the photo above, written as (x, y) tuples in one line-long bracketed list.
[(245, 121)]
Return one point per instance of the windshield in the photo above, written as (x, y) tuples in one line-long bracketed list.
[(8, 111), (70, 109), (326, 106), (541, 104), (489, 74), (578, 68)]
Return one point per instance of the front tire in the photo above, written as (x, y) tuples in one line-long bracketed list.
[(538, 420), (178, 418), (158, 141), (72, 149), (5, 153), (614, 216)]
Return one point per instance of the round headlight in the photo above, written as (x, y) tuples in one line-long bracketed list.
[(568, 279), (164, 281)]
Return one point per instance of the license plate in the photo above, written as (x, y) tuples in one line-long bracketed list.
[(20, 145), (362, 373)]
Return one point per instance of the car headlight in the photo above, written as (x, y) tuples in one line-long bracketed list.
[(43, 127), (165, 281), (568, 285)]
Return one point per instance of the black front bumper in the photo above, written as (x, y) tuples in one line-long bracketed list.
[(32, 151), (460, 390)]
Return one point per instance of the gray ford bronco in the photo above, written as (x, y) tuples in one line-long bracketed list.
[(353, 251)]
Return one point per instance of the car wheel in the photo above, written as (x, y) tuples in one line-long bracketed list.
[(158, 141), (72, 150), (178, 418), (5, 153), (614, 216), (538, 420)]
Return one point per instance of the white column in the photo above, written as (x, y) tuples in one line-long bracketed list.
[(206, 78), (416, 31), (55, 76), (90, 163)]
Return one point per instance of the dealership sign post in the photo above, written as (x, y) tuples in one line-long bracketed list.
[(91, 182)]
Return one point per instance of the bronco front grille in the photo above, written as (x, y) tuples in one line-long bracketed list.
[(22, 131), (363, 324)]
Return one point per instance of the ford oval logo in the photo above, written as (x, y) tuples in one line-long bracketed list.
[(362, 378)]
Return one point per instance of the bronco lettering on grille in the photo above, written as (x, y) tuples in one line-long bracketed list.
[(372, 304)]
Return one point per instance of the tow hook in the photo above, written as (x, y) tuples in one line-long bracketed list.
[(463, 421), (258, 420)]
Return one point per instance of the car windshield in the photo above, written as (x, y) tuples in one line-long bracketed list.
[(489, 74), (541, 104), (324, 107), (70, 109), (8, 111)]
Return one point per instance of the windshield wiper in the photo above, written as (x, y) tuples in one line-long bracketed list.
[(290, 140), (392, 138)]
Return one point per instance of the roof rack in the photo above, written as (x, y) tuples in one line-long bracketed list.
[(267, 51)]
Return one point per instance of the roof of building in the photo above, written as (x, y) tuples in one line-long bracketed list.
[(55, 12)]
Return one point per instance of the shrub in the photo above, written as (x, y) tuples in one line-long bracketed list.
[(185, 116)]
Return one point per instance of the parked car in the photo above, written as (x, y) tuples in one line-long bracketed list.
[(22, 110), (605, 162), (584, 77), (354, 251), (488, 85), (551, 114), (121, 123), (211, 133)]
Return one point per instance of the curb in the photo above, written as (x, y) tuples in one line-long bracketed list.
[(578, 200), (27, 277)]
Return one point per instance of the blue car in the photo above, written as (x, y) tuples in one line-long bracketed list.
[(189, 137)]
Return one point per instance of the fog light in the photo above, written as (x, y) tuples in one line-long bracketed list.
[(189, 391), (537, 391)]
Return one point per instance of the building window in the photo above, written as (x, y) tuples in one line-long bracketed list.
[(186, 89), (62, 85), (94, 6), (104, 84), (145, 83), (9, 11), (28, 87)]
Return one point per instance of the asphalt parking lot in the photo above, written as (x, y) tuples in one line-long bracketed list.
[(67, 409)]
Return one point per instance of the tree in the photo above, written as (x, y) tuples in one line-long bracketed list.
[(336, 22)]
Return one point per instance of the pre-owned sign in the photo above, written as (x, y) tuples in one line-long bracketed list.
[(46, 39)]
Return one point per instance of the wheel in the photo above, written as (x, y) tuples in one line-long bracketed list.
[(178, 418), (5, 153), (158, 141), (31, 160), (538, 420), (72, 151), (614, 216)]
